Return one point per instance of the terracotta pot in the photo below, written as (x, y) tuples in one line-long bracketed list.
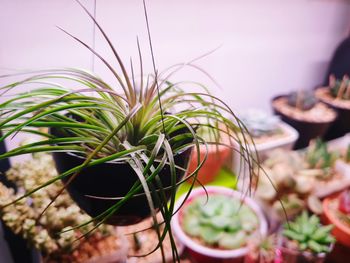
[(217, 156), (307, 130), (341, 231), (206, 254)]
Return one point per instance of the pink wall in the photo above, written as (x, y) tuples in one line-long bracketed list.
[(268, 47)]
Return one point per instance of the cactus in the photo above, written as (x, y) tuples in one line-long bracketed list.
[(260, 123), (308, 233), (303, 100), (221, 221), (340, 89), (319, 157)]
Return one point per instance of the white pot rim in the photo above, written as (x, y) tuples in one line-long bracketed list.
[(211, 252), (292, 136)]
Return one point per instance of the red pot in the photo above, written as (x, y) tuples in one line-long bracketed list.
[(341, 231), (217, 155)]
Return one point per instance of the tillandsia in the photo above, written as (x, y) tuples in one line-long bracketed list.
[(144, 123), (308, 234), (339, 88), (303, 100)]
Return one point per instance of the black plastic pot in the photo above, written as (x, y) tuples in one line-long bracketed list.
[(307, 130), (341, 125), (112, 180)]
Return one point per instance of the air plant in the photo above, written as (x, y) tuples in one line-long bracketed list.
[(302, 100), (309, 234), (143, 123), (339, 89)]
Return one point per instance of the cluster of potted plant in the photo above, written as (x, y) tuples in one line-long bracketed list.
[(121, 149), (324, 112), (51, 233), (292, 181)]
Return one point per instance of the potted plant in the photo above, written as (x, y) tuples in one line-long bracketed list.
[(262, 250), (337, 96), (215, 157), (268, 131), (123, 150), (306, 240), (48, 233), (215, 224), (303, 112), (142, 239), (337, 212)]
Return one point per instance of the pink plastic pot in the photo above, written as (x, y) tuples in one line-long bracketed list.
[(205, 254)]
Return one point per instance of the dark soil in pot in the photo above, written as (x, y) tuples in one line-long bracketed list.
[(307, 130)]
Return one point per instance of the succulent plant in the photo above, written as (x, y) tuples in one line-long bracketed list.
[(262, 250), (289, 205), (340, 89), (303, 100), (220, 222), (260, 123), (319, 157), (309, 234)]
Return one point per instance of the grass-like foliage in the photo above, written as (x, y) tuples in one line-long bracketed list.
[(144, 122)]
